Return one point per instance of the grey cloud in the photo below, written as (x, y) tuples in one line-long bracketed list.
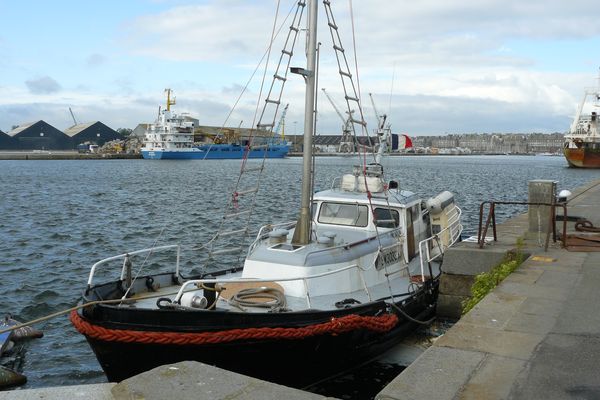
[(43, 85)]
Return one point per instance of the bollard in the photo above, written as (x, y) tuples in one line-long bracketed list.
[(540, 217)]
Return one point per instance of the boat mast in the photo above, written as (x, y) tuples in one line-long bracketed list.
[(302, 231)]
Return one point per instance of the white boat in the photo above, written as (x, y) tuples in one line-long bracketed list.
[(356, 273)]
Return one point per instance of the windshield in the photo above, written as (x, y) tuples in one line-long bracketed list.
[(344, 214)]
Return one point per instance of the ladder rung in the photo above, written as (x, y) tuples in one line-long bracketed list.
[(352, 98), (349, 75), (338, 48), (302, 3), (226, 251), (327, 2), (231, 233), (263, 126), (374, 196), (246, 191), (289, 53), (281, 78), (236, 214), (333, 26), (272, 101), (293, 28), (253, 169)]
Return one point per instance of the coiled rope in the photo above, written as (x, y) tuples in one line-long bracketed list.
[(254, 297), (335, 326)]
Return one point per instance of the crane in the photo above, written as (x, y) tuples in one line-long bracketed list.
[(73, 116), (281, 123), (380, 118), (347, 142)]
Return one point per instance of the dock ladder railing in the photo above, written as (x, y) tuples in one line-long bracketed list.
[(426, 247), (491, 220)]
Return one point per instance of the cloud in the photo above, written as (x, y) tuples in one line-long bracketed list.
[(95, 60), (43, 85), (205, 32)]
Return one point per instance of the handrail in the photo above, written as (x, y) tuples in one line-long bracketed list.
[(491, 219), (304, 279), (148, 250), (453, 223)]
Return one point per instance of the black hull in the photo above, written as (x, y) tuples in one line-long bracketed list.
[(291, 362)]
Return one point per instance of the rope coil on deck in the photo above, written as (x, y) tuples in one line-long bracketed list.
[(335, 326)]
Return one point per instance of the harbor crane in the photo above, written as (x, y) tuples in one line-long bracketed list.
[(73, 116), (347, 142)]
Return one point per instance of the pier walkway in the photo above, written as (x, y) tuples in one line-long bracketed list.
[(536, 336)]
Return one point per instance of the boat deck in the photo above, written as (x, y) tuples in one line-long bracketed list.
[(399, 286)]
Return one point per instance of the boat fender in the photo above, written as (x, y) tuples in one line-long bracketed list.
[(10, 378), (25, 332)]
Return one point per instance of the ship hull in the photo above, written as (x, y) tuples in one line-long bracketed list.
[(215, 152), (583, 157), (288, 360)]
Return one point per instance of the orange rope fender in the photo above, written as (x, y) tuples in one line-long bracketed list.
[(336, 326)]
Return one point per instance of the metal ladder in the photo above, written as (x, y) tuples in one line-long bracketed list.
[(230, 243), (350, 91)]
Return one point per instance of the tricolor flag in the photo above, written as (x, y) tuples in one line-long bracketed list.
[(400, 142)]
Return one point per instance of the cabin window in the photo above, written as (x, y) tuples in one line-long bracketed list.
[(344, 214), (387, 218)]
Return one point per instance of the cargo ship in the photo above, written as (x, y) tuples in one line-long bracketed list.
[(582, 143), (172, 137)]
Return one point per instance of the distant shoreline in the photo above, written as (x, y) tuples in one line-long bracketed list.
[(73, 155), (62, 155)]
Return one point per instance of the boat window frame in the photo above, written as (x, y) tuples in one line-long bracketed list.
[(361, 207), (393, 210)]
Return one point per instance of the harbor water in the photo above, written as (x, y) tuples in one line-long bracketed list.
[(60, 217)]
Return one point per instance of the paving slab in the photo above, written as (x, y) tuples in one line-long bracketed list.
[(100, 391), (494, 311), (490, 340), (434, 375), (190, 380), (493, 380)]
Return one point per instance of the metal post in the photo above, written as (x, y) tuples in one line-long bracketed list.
[(302, 231)]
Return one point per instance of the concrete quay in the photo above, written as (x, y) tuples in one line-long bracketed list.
[(188, 380), (535, 336)]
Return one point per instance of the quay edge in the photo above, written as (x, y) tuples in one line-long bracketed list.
[(532, 336)]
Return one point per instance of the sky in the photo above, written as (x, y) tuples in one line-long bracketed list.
[(433, 67)]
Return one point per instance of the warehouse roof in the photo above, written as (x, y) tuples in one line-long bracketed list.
[(75, 129), (21, 128)]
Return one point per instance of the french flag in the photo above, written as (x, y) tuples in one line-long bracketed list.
[(401, 141)]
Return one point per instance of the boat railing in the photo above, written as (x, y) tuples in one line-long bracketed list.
[(201, 282), (426, 246), (264, 231), (125, 257)]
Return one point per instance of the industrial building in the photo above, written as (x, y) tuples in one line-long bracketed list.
[(6, 142), (91, 132), (39, 136)]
